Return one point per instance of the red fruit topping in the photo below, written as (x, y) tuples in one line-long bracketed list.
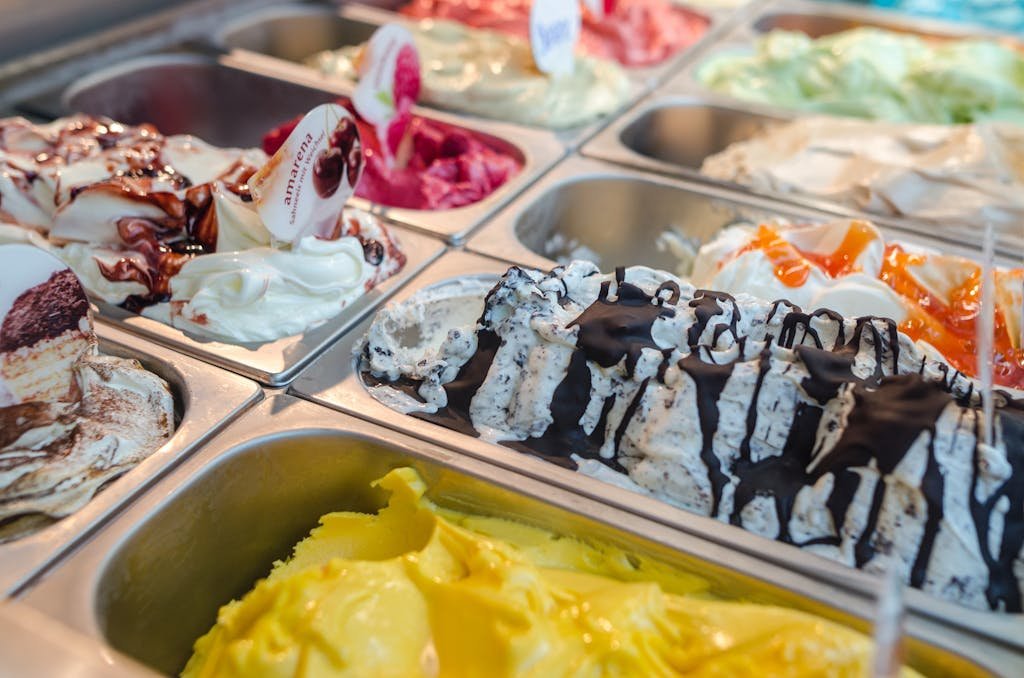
[(275, 138)]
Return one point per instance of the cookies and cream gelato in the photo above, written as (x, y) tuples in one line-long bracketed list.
[(758, 413), (849, 267)]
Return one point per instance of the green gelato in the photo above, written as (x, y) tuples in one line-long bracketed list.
[(870, 73)]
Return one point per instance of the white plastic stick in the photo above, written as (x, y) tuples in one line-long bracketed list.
[(986, 326), (888, 626)]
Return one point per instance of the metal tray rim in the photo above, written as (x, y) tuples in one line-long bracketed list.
[(607, 145), (299, 415), (210, 400)]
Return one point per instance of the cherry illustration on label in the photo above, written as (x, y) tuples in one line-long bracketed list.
[(342, 158), (314, 170)]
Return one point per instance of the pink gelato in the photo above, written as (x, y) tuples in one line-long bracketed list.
[(635, 33), (447, 167)]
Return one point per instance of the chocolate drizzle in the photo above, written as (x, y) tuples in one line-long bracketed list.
[(853, 380), (615, 328)]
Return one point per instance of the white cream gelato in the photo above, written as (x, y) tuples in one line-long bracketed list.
[(166, 226), (493, 75), (935, 173)]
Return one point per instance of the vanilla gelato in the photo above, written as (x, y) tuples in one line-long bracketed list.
[(166, 226), (950, 175), (492, 75), (837, 435)]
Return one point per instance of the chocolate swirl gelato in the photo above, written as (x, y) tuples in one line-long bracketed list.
[(837, 435)]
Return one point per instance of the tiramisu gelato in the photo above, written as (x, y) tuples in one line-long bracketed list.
[(848, 267), (419, 590), (491, 75), (165, 226), (835, 434), (876, 74), (70, 418), (936, 173), (446, 167), (634, 32)]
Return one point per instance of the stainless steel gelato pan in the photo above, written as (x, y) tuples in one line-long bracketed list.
[(226, 103), (205, 398), (151, 582), (615, 216), (334, 380), (673, 134), (296, 32), (275, 363), (258, 43), (817, 20)]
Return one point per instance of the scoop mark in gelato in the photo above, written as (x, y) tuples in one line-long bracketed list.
[(420, 590)]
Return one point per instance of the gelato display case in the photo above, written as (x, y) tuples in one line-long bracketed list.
[(504, 337)]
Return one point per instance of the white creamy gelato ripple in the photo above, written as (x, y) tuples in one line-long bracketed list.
[(165, 226), (949, 175), (837, 435)]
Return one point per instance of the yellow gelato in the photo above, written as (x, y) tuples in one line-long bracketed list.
[(416, 590)]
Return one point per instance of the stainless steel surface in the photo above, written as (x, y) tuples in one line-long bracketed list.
[(36, 645), (233, 101), (618, 217), (52, 66), (278, 40), (333, 380), (672, 134), (206, 399), (244, 500)]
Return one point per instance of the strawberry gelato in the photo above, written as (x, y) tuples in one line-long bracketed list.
[(446, 167), (635, 32)]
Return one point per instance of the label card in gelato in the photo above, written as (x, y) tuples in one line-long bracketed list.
[(600, 8), (44, 326), (554, 31), (389, 85), (302, 190)]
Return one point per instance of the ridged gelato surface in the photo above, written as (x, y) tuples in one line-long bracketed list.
[(418, 590), (876, 74), (947, 175)]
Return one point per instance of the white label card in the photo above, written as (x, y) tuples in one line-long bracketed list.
[(389, 85), (302, 190), (554, 32)]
